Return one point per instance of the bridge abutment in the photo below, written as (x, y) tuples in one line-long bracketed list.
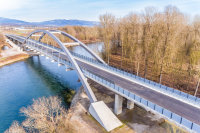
[(118, 104), (104, 115)]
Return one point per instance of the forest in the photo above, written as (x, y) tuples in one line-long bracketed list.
[(163, 46)]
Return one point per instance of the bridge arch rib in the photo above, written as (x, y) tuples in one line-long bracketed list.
[(71, 59), (44, 32), (82, 45)]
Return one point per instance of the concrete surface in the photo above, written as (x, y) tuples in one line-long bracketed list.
[(104, 115)]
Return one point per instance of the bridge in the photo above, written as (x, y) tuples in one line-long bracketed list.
[(174, 105)]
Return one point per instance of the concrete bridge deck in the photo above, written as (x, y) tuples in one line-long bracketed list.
[(174, 105)]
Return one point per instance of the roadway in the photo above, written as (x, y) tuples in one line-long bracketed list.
[(183, 109)]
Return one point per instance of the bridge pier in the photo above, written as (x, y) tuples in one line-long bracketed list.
[(118, 104), (130, 104)]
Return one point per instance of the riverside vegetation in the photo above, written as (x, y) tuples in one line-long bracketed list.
[(45, 115), (163, 46)]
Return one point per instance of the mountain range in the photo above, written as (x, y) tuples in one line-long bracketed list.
[(55, 22)]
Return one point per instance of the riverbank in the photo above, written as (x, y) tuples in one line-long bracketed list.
[(11, 55), (81, 121), (12, 59), (79, 117), (137, 120)]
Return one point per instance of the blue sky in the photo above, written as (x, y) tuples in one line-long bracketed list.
[(40, 10)]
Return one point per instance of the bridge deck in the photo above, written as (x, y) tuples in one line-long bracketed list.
[(179, 107), (183, 109)]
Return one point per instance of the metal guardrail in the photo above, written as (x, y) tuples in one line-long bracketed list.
[(166, 113), (179, 94)]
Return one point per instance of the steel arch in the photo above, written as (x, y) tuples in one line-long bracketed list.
[(72, 38), (72, 60), (82, 44)]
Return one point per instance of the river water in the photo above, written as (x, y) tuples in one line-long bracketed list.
[(35, 77)]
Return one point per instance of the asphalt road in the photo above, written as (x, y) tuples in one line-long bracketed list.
[(181, 108)]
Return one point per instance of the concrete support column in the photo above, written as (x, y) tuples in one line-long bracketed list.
[(130, 104), (118, 104)]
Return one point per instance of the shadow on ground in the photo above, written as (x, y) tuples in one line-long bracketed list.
[(136, 120)]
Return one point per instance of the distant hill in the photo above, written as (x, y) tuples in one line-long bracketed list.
[(64, 22), (7, 21), (56, 22)]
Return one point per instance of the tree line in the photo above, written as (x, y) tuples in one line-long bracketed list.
[(159, 45), (83, 33)]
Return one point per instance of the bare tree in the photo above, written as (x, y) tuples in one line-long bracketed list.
[(15, 128), (172, 21), (148, 20), (195, 54), (107, 22), (45, 115)]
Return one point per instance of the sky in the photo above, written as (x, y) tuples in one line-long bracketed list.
[(42, 10)]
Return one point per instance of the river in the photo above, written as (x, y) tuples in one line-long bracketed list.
[(35, 77)]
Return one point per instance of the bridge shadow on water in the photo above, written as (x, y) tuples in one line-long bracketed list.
[(61, 83)]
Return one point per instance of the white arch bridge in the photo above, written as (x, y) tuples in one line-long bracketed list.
[(176, 106)]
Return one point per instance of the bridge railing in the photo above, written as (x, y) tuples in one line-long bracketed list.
[(158, 87), (143, 102), (139, 100), (53, 57)]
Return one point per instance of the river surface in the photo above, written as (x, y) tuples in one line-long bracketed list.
[(35, 77)]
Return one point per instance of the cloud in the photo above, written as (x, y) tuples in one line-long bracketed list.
[(6, 5), (39, 10)]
